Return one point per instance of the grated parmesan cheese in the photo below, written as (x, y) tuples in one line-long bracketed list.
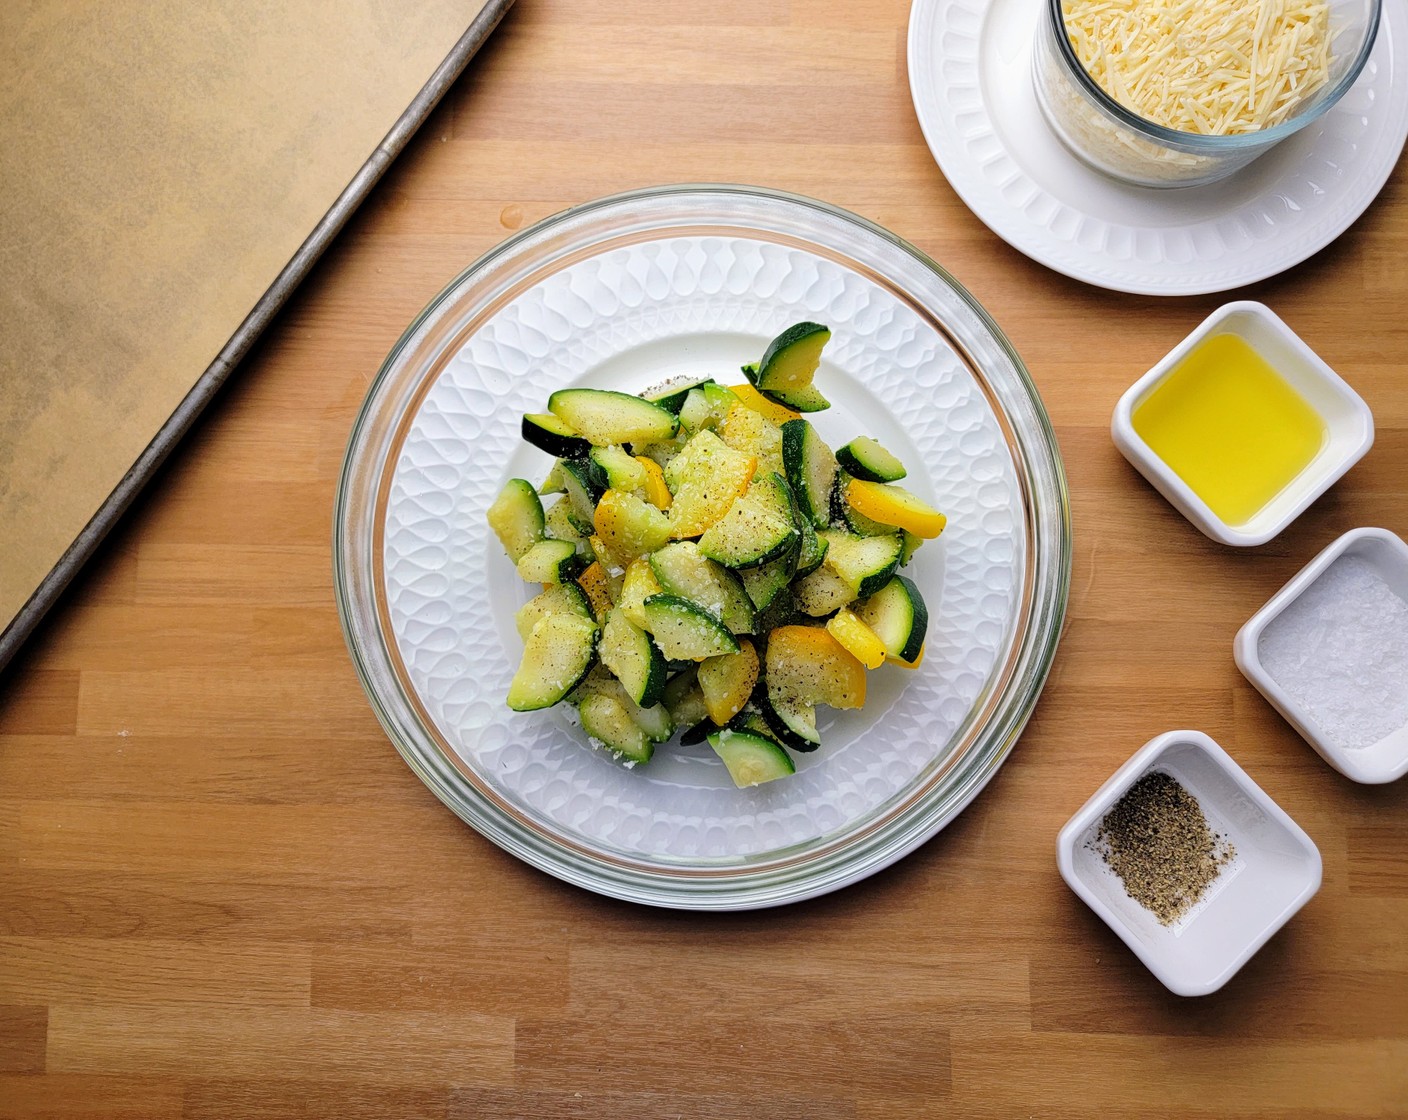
[(1213, 67)]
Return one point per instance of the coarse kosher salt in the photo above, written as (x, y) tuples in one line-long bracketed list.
[(1340, 651)]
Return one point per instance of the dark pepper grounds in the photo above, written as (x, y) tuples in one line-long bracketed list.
[(1157, 840)]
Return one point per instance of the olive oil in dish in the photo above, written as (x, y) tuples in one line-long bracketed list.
[(1230, 426)]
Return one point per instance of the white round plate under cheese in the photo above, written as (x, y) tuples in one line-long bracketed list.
[(970, 77)]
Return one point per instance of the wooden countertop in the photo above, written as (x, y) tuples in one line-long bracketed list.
[(223, 894)]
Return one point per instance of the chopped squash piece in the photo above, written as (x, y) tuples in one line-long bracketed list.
[(656, 492), (727, 681), (859, 639), (629, 527), (779, 414), (638, 586), (808, 664), (596, 584), (894, 505), (706, 477)]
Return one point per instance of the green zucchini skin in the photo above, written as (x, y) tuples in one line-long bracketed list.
[(547, 433), (811, 550), (698, 732), (865, 458)]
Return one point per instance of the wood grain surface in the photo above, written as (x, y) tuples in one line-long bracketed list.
[(224, 895)]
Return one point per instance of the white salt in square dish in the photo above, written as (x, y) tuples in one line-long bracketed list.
[(1348, 423), (1273, 870), (1330, 653)]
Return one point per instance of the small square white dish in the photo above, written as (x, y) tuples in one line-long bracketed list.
[(1348, 424), (1274, 871), (1329, 651)]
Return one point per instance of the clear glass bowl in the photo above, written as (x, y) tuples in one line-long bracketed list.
[(622, 293), (1110, 138)]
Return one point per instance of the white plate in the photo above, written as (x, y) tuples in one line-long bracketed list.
[(692, 307), (970, 77), (625, 293)]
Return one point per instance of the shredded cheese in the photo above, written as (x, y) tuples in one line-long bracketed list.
[(1214, 67)]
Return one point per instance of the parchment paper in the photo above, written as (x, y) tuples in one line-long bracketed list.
[(160, 163)]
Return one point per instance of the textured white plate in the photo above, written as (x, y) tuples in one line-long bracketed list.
[(970, 77), (628, 319)]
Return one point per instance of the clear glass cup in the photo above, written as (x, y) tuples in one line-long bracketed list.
[(1113, 140)]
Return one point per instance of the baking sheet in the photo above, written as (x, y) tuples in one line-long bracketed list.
[(170, 173)]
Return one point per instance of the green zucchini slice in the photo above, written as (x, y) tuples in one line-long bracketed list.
[(582, 484), (822, 593), (684, 631), (811, 550), (898, 616), (561, 598), (682, 569), (559, 651), (636, 661), (684, 699), (811, 470), (788, 365), (750, 759), (616, 468), (608, 721), (912, 541), (864, 563), (604, 416), (757, 527), (792, 722), (547, 433), (705, 406), (766, 582), (551, 561), (865, 458), (517, 518), (563, 523), (673, 398)]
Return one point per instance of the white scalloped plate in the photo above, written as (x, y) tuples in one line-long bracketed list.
[(970, 78), (436, 640)]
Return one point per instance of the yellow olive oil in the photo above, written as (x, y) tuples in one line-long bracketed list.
[(1230, 426)]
